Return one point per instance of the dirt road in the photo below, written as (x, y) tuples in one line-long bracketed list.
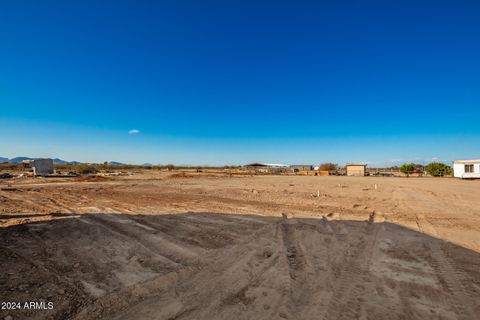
[(260, 247)]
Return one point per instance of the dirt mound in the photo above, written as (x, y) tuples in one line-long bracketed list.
[(217, 266)]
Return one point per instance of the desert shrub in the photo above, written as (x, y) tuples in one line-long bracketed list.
[(11, 166), (86, 168), (438, 169), (181, 175), (328, 166)]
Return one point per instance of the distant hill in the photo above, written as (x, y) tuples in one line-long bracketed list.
[(55, 161), (20, 159), (60, 161), (115, 163)]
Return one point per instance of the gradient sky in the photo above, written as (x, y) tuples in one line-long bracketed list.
[(231, 82)]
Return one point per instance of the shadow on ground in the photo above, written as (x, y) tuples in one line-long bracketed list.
[(219, 266)]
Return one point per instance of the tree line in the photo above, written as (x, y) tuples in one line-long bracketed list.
[(435, 169)]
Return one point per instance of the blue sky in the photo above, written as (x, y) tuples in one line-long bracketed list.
[(230, 82)]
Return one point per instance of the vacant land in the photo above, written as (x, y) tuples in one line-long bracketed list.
[(162, 246)]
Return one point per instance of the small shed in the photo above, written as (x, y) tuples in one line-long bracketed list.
[(466, 169), (356, 170), (42, 167)]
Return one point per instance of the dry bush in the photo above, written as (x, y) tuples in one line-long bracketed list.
[(180, 175), (86, 168), (11, 166), (328, 166)]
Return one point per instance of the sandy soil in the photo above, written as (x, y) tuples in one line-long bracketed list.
[(154, 246)]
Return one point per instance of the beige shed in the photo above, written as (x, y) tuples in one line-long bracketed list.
[(356, 170)]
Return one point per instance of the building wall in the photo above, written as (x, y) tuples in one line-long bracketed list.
[(299, 168), (307, 173), (358, 171), (42, 167), (459, 170)]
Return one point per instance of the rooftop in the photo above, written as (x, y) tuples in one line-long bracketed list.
[(466, 161)]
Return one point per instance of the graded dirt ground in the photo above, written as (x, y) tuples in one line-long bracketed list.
[(204, 246)]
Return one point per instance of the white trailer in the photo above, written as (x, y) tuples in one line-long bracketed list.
[(466, 169)]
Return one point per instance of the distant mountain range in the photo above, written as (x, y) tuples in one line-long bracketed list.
[(55, 161), (20, 159)]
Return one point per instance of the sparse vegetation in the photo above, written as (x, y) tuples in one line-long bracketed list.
[(86, 168), (328, 167), (169, 167), (6, 166)]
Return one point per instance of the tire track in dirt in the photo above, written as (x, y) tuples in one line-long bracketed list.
[(450, 277), (44, 202), (136, 237), (122, 300), (224, 293), (269, 258), (73, 297), (300, 289), (349, 285), (191, 233), (295, 256), (452, 281), (466, 280)]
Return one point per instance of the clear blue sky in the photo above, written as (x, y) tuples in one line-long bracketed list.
[(230, 82)]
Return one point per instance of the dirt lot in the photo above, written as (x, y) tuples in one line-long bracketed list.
[(156, 246)]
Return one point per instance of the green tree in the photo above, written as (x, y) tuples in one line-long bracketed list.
[(407, 168), (438, 169)]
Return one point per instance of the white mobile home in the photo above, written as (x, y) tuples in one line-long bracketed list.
[(466, 169)]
